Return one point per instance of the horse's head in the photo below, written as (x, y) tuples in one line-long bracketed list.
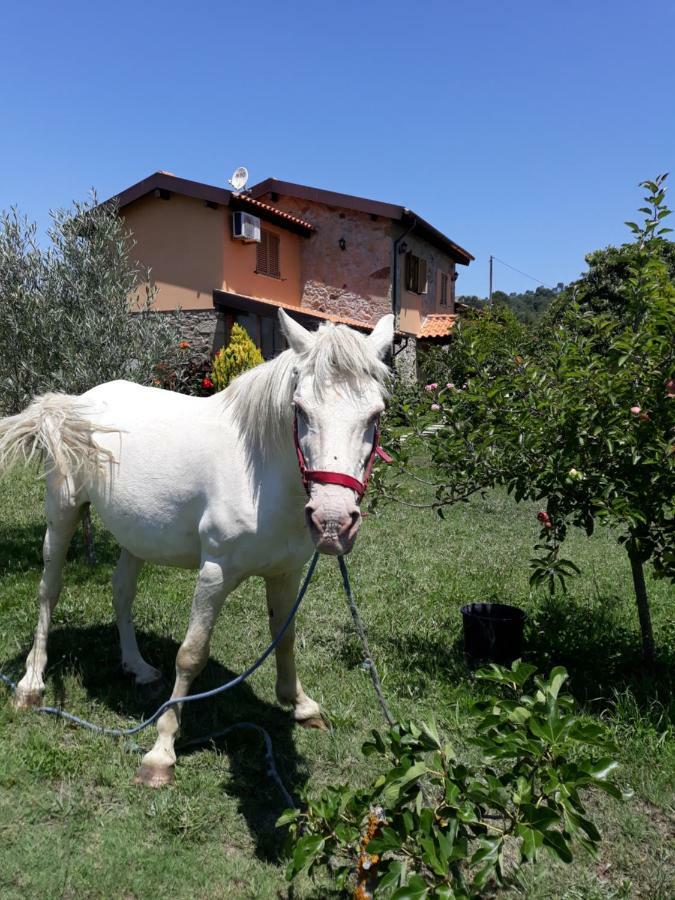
[(339, 394)]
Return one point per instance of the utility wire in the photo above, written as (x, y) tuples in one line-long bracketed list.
[(520, 272)]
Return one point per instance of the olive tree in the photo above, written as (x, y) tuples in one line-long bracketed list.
[(76, 312)]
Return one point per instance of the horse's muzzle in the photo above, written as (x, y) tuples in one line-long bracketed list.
[(333, 535)]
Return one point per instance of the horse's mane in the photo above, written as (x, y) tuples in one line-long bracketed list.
[(260, 399)]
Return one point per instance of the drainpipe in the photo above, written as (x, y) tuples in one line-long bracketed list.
[(395, 281)]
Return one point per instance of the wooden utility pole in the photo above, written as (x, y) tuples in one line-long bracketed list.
[(490, 291)]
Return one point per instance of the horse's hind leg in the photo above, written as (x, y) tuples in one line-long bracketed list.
[(63, 516), (124, 581)]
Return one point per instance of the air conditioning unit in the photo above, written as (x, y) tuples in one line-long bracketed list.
[(245, 227)]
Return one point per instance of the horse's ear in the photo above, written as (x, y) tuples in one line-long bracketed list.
[(299, 339), (382, 336)]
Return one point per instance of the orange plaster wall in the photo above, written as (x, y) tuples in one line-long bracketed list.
[(240, 261), (190, 251), (181, 241)]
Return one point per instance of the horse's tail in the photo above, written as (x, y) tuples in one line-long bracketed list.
[(56, 427)]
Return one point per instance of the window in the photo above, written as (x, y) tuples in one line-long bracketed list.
[(267, 255), (415, 273), (443, 293)]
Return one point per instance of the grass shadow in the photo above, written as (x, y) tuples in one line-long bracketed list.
[(601, 655), (21, 548), (92, 655)]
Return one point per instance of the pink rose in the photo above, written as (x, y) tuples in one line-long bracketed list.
[(635, 410), (450, 385), (431, 387), (435, 406)]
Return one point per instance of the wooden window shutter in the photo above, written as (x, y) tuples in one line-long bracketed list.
[(443, 299), (273, 255), (409, 283), (267, 254), (422, 276)]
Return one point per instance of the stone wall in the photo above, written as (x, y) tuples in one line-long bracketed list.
[(354, 282), (204, 330)]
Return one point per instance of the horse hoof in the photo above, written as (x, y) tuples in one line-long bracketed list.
[(317, 722), (154, 776), (27, 699)]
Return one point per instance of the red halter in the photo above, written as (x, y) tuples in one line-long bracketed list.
[(309, 475)]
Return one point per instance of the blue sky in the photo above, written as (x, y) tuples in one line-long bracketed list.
[(519, 129)]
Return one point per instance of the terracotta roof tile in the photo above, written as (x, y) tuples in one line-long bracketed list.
[(246, 200), (435, 326)]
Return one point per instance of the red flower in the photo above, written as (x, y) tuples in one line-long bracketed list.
[(207, 383), (543, 517), (183, 345)]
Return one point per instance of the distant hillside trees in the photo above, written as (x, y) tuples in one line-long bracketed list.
[(528, 306)]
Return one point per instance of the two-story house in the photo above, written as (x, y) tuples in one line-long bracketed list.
[(223, 256)]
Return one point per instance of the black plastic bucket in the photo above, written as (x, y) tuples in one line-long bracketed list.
[(493, 632)]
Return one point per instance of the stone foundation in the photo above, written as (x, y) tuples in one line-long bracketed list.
[(405, 359), (204, 330)]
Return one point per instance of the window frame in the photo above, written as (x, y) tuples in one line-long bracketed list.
[(416, 273)]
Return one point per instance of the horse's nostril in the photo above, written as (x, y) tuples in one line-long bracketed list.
[(352, 523)]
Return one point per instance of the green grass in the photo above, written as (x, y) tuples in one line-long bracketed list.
[(73, 825)]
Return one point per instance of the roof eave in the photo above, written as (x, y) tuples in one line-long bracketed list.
[(437, 238), (208, 193)]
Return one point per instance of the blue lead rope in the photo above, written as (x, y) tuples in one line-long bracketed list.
[(204, 695), (251, 726)]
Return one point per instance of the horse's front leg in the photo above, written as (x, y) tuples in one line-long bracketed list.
[(157, 766), (281, 594)]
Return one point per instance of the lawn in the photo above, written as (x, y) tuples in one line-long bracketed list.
[(73, 825)]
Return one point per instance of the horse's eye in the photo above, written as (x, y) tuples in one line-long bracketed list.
[(300, 412)]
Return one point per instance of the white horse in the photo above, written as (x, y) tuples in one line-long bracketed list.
[(210, 483)]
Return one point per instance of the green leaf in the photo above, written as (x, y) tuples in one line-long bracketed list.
[(288, 815), (395, 788), (532, 840), (558, 676), (306, 849), (557, 846), (601, 769), (539, 817), (387, 840), (394, 875), (415, 889)]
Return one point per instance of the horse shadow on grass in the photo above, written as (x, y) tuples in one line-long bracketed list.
[(91, 654), (21, 548)]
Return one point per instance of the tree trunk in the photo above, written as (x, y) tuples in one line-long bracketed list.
[(642, 605)]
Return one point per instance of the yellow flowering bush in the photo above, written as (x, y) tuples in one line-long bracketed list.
[(239, 355)]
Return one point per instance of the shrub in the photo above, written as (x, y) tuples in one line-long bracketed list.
[(186, 375), (487, 337), (239, 355), (65, 320), (432, 826)]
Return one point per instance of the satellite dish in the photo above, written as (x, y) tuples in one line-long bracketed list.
[(239, 178)]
